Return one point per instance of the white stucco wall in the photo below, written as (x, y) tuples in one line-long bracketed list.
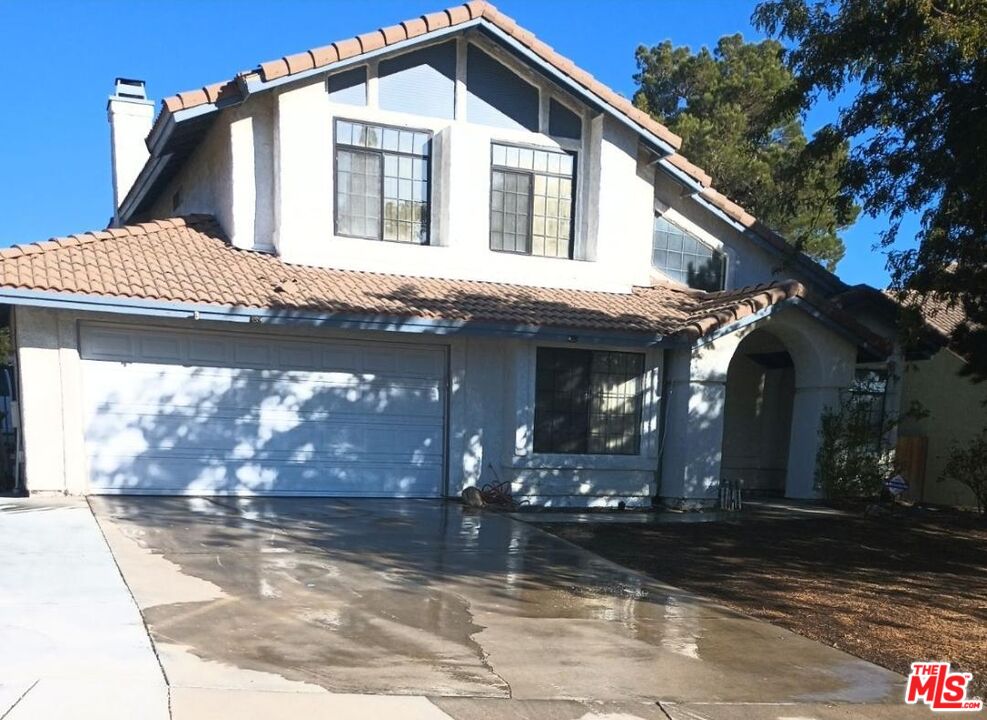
[(51, 400), (613, 211), (205, 182)]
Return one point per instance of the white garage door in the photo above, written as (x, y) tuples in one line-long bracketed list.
[(170, 412)]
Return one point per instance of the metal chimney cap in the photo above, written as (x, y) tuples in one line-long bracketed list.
[(129, 88)]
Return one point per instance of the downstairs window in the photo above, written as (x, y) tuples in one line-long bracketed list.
[(588, 402)]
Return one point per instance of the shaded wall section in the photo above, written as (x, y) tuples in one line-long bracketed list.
[(758, 414), (956, 414)]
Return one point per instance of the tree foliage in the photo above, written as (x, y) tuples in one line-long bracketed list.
[(915, 75), (724, 106)]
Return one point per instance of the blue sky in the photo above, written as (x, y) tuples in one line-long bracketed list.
[(61, 57)]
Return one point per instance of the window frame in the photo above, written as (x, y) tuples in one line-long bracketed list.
[(858, 391), (640, 397), (574, 154), (380, 152), (720, 251)]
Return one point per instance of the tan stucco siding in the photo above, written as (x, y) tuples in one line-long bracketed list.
[(956, 414)]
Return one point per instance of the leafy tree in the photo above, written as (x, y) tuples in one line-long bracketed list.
[(724, 106), (915, 75)]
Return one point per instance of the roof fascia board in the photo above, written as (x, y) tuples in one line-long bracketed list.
[(145, 181), (690, 182), (270, 316), (823, 276), (743, 322), (836, 327), (573, 87), (159, 134), (720, 214), (796, 302)]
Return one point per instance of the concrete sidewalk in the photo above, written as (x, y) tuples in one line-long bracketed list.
[(72, 641)]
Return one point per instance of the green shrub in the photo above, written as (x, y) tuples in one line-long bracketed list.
[(967, 464), (850, 462)]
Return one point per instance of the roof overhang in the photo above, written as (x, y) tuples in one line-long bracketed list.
[(871, 347), (340, 321)]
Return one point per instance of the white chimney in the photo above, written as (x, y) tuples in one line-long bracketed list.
[(131, 115)]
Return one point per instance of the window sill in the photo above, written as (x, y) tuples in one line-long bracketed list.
[(384, 240), (537, 461), (518, 253)]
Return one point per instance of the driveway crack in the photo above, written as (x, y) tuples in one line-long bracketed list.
[(482, 654), (18, 700), (663, 710)]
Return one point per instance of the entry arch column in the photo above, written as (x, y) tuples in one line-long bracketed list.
[(692, 426)]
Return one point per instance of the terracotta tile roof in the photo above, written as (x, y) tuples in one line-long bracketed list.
[(938, 313), (942, 316), (188, 260)]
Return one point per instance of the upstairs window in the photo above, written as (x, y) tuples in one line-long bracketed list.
[(684, 257), (382, 182), (531, 200)]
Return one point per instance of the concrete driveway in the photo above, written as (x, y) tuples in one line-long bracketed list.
[(278, 607)]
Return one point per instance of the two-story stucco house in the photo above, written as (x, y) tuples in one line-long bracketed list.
[(432, 256)]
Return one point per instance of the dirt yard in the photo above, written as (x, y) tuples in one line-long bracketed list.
[(891, 591)]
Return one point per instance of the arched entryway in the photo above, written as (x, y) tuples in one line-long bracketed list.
[(760, 392)]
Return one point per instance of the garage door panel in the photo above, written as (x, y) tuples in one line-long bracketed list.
[(129, 433), (260, 352), (168, 425), (176, 475), (226, 392)]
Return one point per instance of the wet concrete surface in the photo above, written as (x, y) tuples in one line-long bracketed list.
[(424, 598)]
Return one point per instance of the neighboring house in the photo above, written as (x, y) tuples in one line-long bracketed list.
[(956, 411), (435, 255)]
